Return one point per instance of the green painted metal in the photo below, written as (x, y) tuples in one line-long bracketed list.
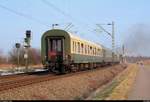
[(55, 33), (77, 58)]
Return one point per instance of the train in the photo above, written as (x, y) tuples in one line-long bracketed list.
[(63, 52)]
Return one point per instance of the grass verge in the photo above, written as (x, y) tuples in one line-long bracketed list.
[(118, 89)]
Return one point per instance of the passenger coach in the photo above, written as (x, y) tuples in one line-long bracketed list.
[(64, 52)]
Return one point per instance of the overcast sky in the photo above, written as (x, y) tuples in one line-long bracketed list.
[(17, 16)]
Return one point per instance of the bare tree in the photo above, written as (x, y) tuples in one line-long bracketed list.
[(34, 56), (13, 55), (2, 57)]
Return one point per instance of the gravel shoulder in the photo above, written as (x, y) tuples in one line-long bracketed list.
[(141, 89), (75, 87)]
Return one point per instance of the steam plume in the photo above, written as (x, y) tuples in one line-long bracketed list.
[(138, 41)]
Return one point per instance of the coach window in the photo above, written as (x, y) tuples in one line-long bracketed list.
[(91, 50), (98, 51), (54, 45), (88, 49), (74, 46), (59, 46), (82, 47), (85, 49), (78, 47)]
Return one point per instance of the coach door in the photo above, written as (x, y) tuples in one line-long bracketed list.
[(56, 50)]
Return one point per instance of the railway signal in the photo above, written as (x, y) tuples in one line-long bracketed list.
[(27, 40), (28, 34), (18, 45), (27, 45)]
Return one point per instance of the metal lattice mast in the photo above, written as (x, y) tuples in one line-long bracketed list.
[(113, 40)]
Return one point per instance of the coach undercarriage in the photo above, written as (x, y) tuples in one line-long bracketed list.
[(76, 67)]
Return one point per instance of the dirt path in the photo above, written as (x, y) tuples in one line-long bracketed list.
[(141, 87)]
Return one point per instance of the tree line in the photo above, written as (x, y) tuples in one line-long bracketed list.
[(34, 56), (134, 59)]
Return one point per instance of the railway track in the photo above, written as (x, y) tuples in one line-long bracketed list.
[(15, 81), (15, 77), (10, 76), (27, 80)]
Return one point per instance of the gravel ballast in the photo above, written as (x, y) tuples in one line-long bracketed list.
[(69, 88)]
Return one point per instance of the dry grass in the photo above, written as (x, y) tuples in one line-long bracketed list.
[(5, 66), (71, 88), (121, 91), (119, 87)]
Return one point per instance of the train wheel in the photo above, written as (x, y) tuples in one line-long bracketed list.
[(62, 69), (53, 70), (91, 66), (78, 67), (74, 68)]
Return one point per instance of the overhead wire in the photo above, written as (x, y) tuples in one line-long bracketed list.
[(55, 7), (23, 15), (68, 26), (48, 3)]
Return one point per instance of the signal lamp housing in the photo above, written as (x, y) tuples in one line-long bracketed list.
[(18, 45), (28, 34)]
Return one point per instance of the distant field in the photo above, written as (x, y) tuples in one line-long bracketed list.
[(147, 62)]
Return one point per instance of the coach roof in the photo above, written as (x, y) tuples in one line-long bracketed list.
[(72, 36)]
